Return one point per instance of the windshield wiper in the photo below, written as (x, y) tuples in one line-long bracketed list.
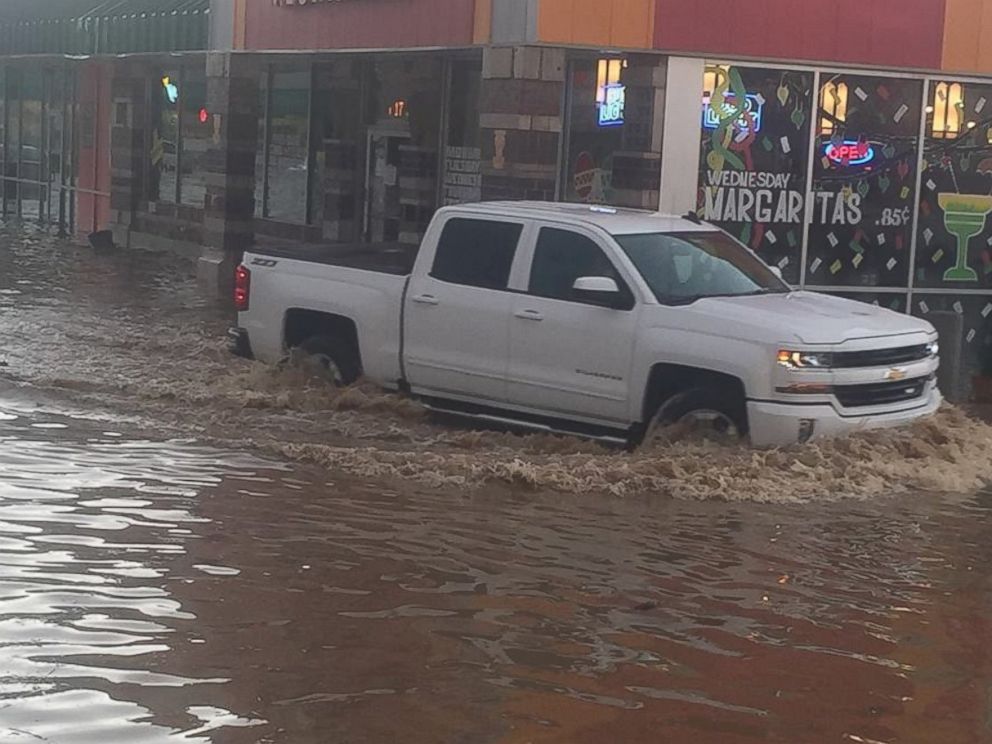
[(689, 299), (762, 291)]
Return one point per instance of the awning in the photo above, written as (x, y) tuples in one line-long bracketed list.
[(102, 26)]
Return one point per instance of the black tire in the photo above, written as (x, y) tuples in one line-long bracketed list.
[(340, 359), (728, 412)]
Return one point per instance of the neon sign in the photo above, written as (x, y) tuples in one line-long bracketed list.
[(849, 152), (171, 89), (611, 110), (753, 108)]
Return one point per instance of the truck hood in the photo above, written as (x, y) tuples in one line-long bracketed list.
[(803, 317)]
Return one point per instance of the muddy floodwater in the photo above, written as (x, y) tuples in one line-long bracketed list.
[(199, 549)]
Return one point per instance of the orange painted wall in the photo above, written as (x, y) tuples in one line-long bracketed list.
[(625, 24), (968, 36), (482, 29)]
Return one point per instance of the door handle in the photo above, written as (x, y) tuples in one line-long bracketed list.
[(425, 299), (529, 315)]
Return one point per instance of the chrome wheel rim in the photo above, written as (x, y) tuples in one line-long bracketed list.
[(708, 421), (328, 369)]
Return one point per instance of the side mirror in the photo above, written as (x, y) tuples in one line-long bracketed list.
[(776, 271), (598, 290)]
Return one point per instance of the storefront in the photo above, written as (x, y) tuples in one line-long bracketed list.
[(364, 147), (343, 122), (58, 106), (867, 185), (613, 127)]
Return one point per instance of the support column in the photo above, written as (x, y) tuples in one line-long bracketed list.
[(229, 166), (520, 119), (683, 136)]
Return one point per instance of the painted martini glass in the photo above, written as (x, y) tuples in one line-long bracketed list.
[(964, 217)]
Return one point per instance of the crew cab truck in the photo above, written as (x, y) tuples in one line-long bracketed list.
[(591, 320)]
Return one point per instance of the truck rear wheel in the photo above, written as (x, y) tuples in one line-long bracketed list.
[(334, 360), (703, 411)]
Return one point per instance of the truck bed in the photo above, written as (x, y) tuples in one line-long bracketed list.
[(384, 258)]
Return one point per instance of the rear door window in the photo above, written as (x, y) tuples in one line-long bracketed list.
[(476, 252)]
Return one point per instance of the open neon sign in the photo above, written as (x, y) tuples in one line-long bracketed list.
[(849, 152)]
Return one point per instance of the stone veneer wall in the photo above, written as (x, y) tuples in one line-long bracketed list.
[(229, 203), (521, 123)]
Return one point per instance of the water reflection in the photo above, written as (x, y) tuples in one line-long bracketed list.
[(89, 532)]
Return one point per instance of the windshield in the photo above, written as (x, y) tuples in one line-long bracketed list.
[(687, 266)]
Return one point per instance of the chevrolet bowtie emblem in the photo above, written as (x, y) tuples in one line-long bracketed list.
[(895, 374)]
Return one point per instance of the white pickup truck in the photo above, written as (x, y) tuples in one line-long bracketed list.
[(590, 320)]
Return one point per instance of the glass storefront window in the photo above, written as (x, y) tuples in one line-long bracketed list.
[(864, 181), (975, 311), (164, 155), (55, 144), (954, 235), (263, 115), (753, 164), (35, 142), (351, 146), (339, 145), (895, 301), (613, 153), (461, 181), (288, 146), (181, 133), (196, 137), (403, 143), (12, 145), (30, 156)]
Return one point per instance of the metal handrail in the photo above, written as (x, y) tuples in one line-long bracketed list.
[(55, 185)]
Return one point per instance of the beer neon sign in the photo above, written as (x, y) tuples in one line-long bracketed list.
[(611, 110), (171, 89), (849, 152), (753, 111)]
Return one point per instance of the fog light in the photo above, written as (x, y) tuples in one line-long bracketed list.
[(806, 429)]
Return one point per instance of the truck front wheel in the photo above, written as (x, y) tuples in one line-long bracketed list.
[(335, 360), (705, 411)]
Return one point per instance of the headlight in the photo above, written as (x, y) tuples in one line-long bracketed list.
[(804, 359), (933, 349)]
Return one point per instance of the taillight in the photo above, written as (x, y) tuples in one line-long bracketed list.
[(242, 288)]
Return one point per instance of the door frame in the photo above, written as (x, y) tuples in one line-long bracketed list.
[(372, 132)]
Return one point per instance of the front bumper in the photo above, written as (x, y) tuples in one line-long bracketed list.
[(781, 424), (239, 344)]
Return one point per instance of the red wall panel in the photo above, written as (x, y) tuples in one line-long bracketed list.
[(894, 33), (359, 23), (93, 210)]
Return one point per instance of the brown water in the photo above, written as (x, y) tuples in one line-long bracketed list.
[(194, 548), (156, 591)]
